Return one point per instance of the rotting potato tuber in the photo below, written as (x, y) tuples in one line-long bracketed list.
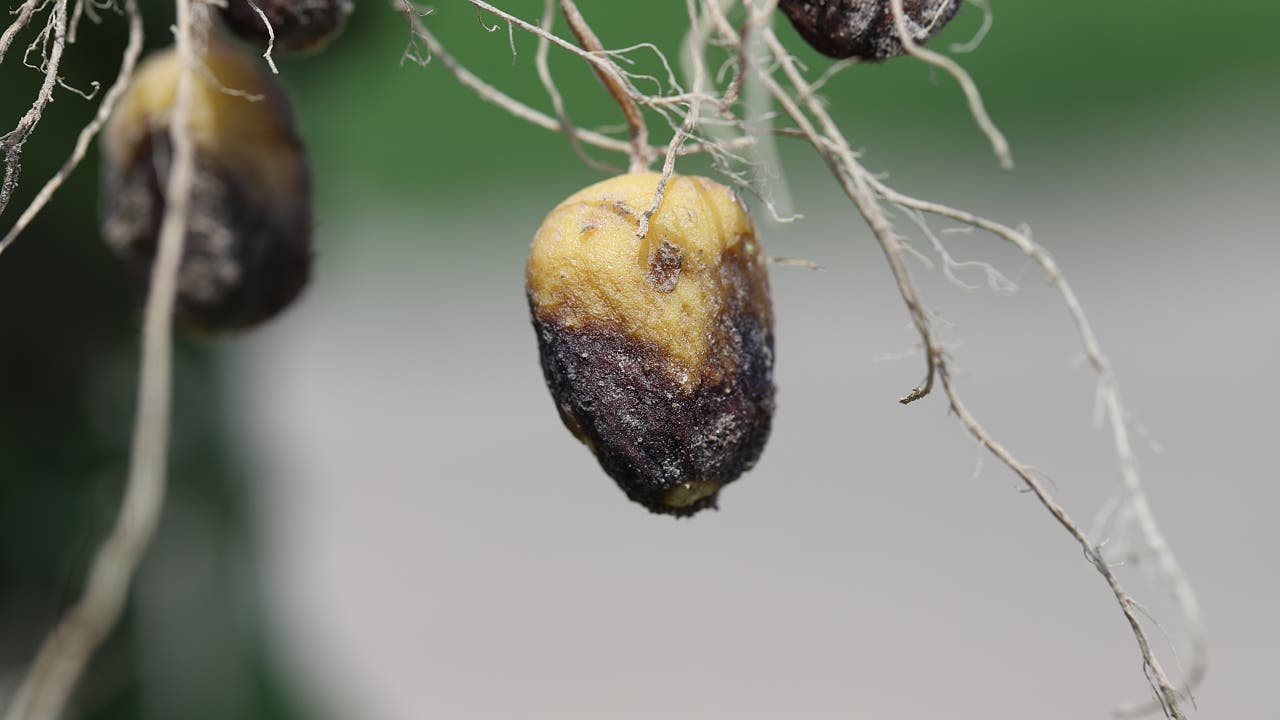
[(864, 29), (658, 351), (247, 251), (299, 26)]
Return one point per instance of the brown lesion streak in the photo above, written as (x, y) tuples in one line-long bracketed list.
[(619, 208), (664, 267)]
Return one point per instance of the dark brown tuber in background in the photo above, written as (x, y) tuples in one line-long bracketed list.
[(864, 29), (299, 25), (247, 249), (658, 351)]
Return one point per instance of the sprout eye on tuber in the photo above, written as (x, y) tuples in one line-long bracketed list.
[(247, 250), (864, 29), (658, 351)]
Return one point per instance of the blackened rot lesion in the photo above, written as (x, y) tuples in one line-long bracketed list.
[(243, 261), (650, 431), (297, 25), (864, 29), (664, 267)]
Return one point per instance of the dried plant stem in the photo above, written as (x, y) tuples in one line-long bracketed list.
[(557, 100), (999, 145), (522, 111), (857, 183), (1137, 503), (608, 72), (492, 95), (25, 12), (66, 651), (269, 53), (838, 156), (11, 143), (734, 91), (130, 60), (1168, 696), (73, 27), (612, 80), (682, 133), (835, 152)]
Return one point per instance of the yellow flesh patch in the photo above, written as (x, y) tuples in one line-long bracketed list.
[(243, 133), (687, 493), (588, 267)]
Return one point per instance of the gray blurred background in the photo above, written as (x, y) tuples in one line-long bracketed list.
[(377, 513)]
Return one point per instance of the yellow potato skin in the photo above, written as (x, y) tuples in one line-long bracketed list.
[(587, 260), (254, 135), (657, 350), (247, 252)]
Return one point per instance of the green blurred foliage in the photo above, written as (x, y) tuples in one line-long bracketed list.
[(1046, 68)]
